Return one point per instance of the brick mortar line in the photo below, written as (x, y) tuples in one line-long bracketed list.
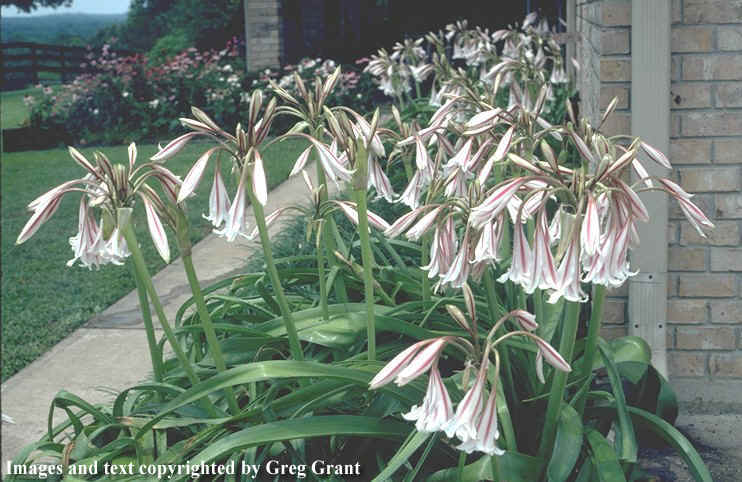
[(718, 53)]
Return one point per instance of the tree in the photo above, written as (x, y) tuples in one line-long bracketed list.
[(29, 5)]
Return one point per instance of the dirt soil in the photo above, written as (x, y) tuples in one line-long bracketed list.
[(716, 436)]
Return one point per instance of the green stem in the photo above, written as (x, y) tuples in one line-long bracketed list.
[(591, 341), (461, 465), (367, 257), (329, 228), (559, 381), (538, 305), (321, 278), (283, 304), (205, 317), (506, 366), (424, 260), (331, 232), (149, 328), (146, 280)]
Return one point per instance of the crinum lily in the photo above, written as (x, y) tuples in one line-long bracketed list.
[(112, 191), (243, 149), (474, 422)]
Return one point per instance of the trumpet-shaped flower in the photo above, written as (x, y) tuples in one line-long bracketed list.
[(521, 264), (568, 276), (218, 200), (235, 223), (427, 357), (436, 409), (442, 249), (397, 364), (487, 432), (493, 205), (88, 244), (544, 275), (488, 246), (464, 424)]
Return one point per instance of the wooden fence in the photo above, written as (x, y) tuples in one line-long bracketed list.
[(22, 62)]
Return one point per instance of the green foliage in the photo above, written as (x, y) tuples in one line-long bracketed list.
[(203, 25), (30, 5), (168, 46), (132, 99), (141, 98)]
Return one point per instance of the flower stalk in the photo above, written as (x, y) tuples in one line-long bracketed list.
[(591, 342), (509, 384), (321, 276), (329, 235), (154, 350), (559, 381), (288, 319), (367, 256), (425, 285), (146, 280), (184, 245)]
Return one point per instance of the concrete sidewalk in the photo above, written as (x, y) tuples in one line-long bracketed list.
[(110, 352)]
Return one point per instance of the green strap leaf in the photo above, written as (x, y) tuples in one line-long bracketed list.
[(302, 428), (65, 400), (672, 436), (626, 445), (567, 446), (511, 467), (627, 349), (604, 458), (404, 453), (271, 370)]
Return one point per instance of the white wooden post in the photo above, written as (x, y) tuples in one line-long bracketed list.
[(650, 119)]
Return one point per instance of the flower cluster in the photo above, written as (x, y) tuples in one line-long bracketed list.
[(397, 70), (497, 186), (228, 217), (353, 88), (588, 213), (111, 190), (526, 55), (474, 422)]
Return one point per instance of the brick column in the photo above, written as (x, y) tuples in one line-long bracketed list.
[(706, 149), (263, 39), (704, 306)]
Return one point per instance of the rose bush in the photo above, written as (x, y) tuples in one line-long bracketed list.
[(134, 97)]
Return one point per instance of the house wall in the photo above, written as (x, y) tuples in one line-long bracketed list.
[(704, 306)]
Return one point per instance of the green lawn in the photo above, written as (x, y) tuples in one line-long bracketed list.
[(42, 299), (14, 111)]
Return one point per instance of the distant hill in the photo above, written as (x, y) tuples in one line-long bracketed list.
[(63, 28)]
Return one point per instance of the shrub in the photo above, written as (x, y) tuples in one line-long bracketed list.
[(141, 97), (133, 98)]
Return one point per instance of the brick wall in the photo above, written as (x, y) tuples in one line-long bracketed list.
[(704, 306), (264, 46), (705, 276)]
